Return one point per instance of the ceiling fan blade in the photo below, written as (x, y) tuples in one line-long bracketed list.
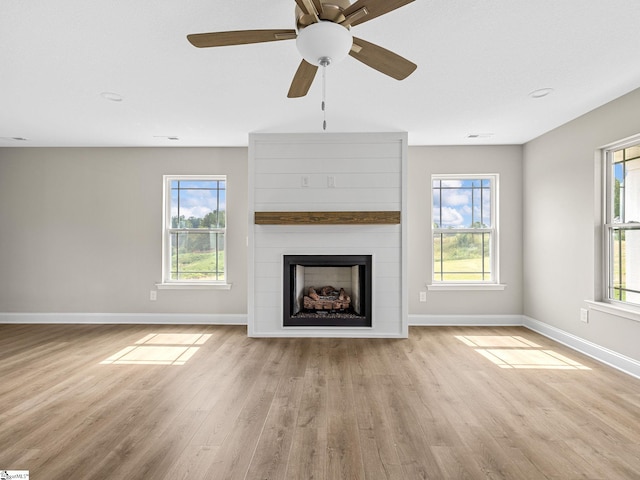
[(302, 80), (382, 59), (309, 9), (240, 37), (375, 8), (303, 6)]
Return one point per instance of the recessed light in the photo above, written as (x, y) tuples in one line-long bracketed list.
[(111, 96), (541, 92)]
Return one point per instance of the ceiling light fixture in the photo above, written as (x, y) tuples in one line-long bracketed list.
[(541, 92), (322, 44)]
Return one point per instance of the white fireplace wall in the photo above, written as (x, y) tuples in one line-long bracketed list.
[(327, 172)]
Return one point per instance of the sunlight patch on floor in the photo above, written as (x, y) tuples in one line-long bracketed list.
[(508, 351), (159, 349)]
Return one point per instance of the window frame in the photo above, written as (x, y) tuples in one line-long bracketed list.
[(493, 283), (610, 226), (168, 230)]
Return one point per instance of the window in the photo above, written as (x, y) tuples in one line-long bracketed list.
[(622, 223), (194, 230), (464, 229)]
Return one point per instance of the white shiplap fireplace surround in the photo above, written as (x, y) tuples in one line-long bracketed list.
[(353, 183)]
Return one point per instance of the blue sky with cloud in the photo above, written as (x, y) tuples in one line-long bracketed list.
[(197, 198), (457, 203)]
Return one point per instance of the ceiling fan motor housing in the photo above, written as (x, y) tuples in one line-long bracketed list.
[(324, 42)]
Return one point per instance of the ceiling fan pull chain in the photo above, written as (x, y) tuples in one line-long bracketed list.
[(324, 63), (324, 96)]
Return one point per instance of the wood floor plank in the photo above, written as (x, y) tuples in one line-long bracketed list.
[(379, 454), (238, 448), (231, 393), (194, 462), (454, 463), (271, 455), (307, 457), (410, 440), (446, 403), (344, 457)]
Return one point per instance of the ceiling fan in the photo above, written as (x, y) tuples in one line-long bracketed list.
[(323, 37)]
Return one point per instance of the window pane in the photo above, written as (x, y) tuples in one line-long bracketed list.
[(462, 203), (197, 256), (632, 152), (197, 184), (617, 190), (630, 194), (625, 186), (625, 266), (462, 257), (198, 204), (222, 207)]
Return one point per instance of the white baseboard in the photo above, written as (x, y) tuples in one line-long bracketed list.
[(126, 318), (608, 357), (465, 320)]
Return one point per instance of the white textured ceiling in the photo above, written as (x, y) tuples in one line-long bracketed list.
[(477, 62)]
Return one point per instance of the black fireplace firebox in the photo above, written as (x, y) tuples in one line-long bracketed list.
[(327, 291)]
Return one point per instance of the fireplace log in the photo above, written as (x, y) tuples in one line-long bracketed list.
[(329, 299), (327, 291)]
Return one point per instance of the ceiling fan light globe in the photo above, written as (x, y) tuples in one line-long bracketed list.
[(324, 40)]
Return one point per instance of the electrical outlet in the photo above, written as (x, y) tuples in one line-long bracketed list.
[(584, 315), (153, 295), (423, 296), (304, 180), (331, 181)]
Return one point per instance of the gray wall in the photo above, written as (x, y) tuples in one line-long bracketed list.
[(81, 229), (504, 160), (562, 237)]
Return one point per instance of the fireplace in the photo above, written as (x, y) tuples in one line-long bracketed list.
[(327, 291), (327, 210)]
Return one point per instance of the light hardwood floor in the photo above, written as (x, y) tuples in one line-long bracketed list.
[(97, 402)]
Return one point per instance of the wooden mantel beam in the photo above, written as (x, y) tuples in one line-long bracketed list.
[(328, 218)]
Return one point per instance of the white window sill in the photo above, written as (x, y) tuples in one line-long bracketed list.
[(466, 286), (193, 286), (618, 311)]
